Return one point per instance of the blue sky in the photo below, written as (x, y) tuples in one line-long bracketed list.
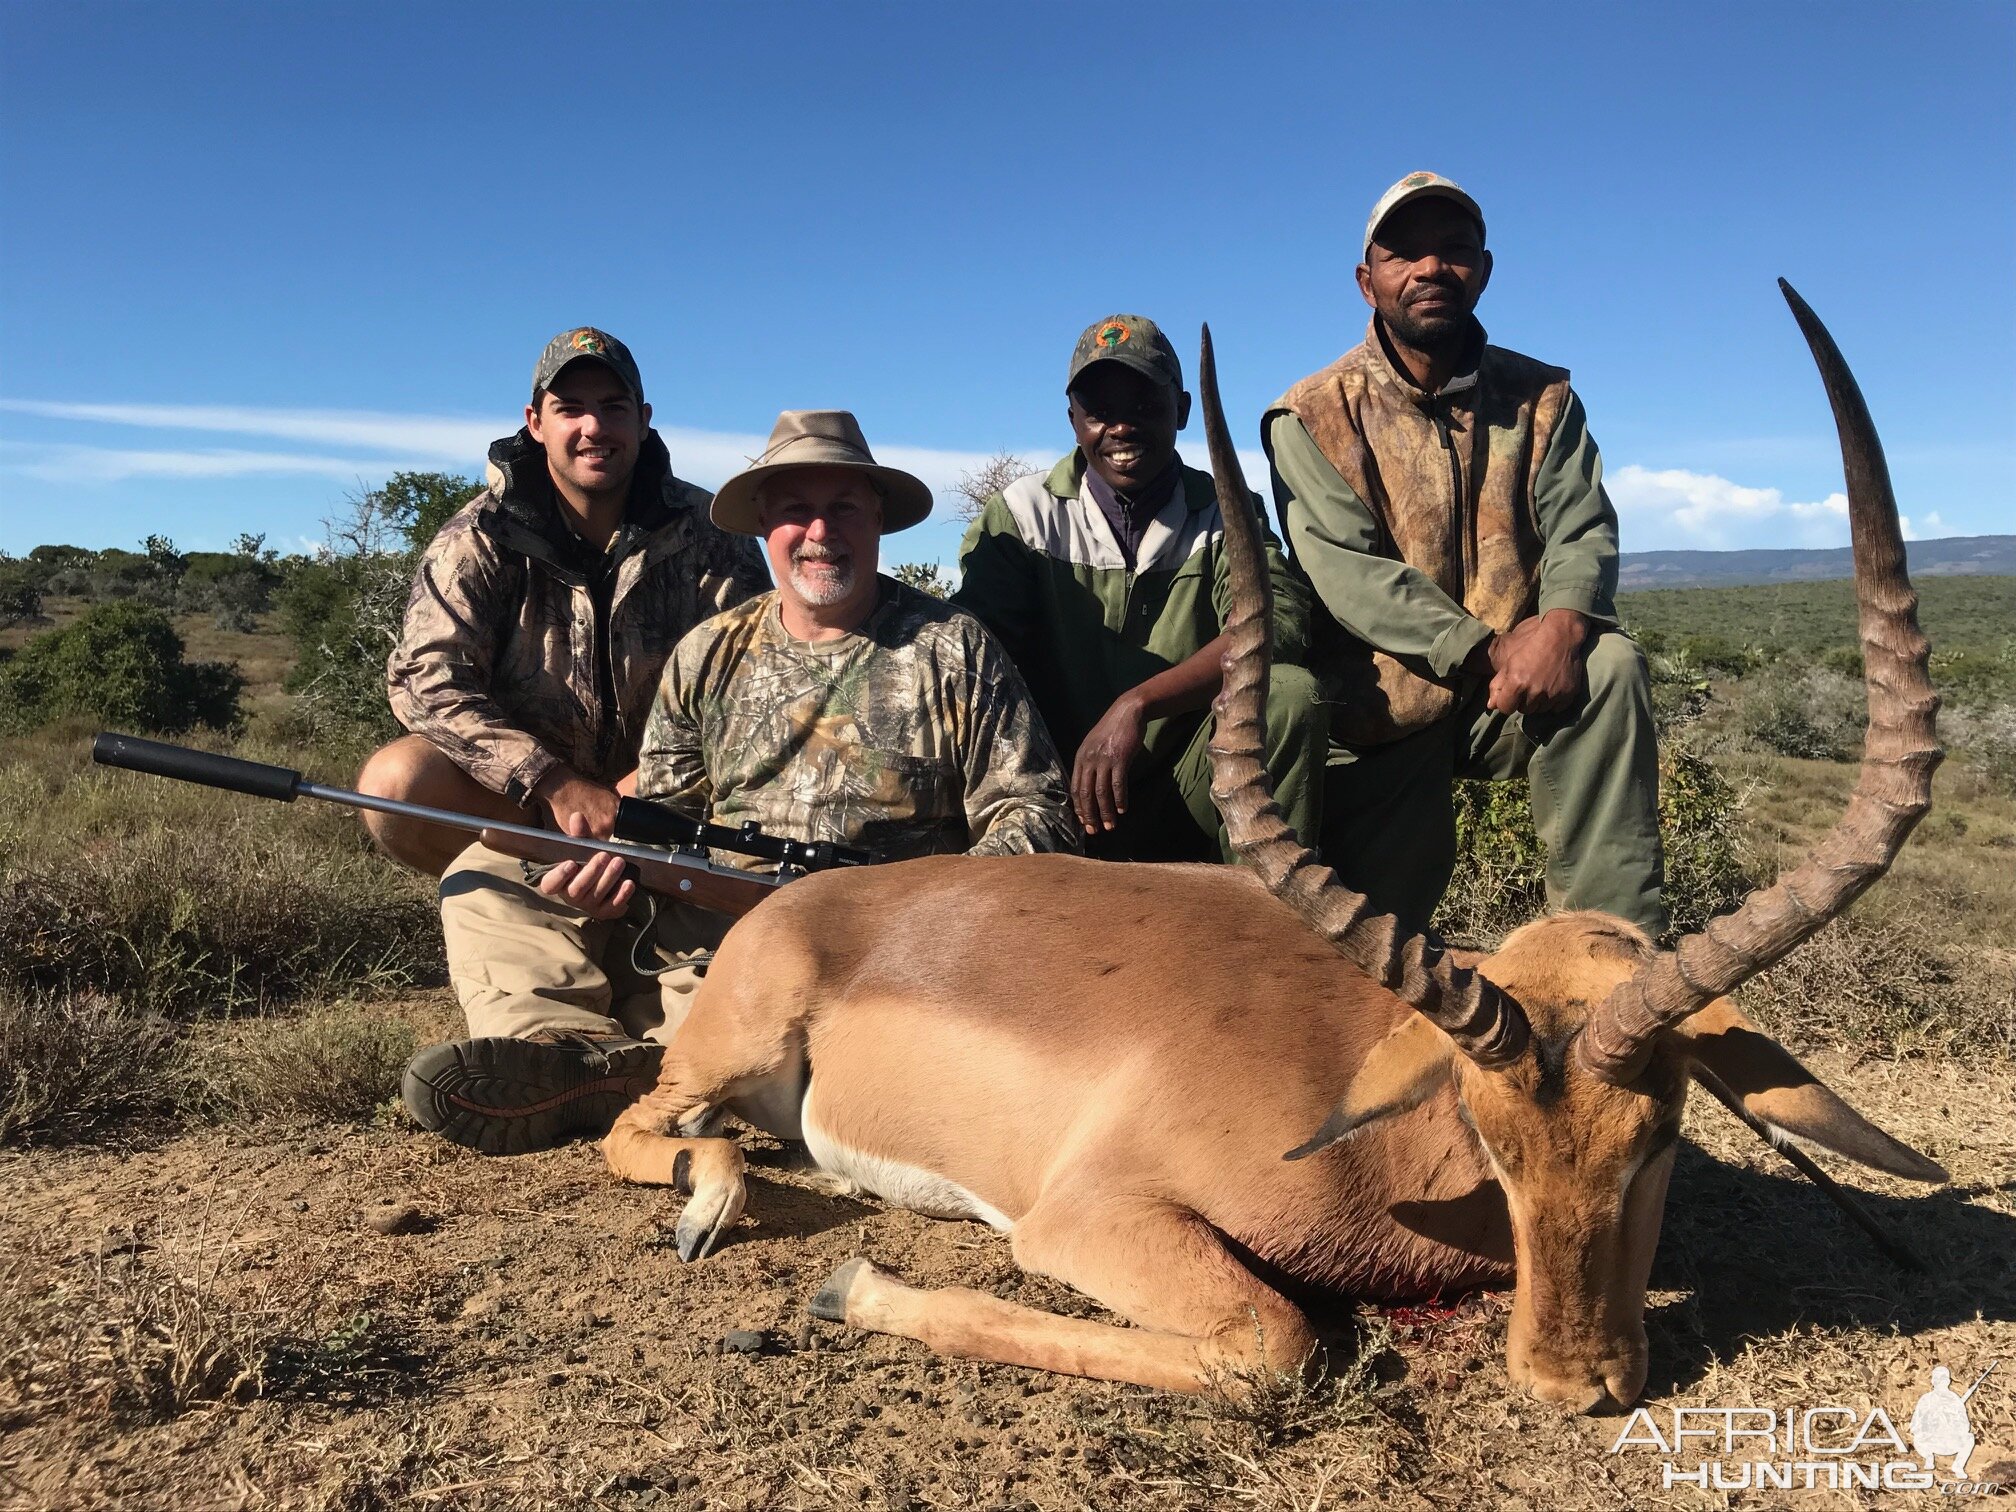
[(254, 256)]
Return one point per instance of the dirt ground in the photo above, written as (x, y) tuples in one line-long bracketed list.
[(532, 1340)]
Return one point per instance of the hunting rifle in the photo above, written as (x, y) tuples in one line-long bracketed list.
[(666, 850)]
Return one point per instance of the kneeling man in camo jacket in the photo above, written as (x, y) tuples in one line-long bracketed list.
[(841, 706)]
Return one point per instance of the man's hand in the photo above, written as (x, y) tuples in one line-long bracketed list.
[(1536, 667), (597, 886), (1099, 775), (569, 796)]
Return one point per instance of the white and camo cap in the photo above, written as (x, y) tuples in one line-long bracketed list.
[(1415, 186)]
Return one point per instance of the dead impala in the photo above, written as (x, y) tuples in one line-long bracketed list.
[(1107, 1062)]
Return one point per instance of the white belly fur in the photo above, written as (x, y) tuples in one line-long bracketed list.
[(898, 1184)]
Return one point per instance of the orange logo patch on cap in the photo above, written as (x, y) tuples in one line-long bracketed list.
[(1416, 180), (585, 341), (1112, 334)]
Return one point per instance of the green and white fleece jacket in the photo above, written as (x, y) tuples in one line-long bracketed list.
[(1041, 569)]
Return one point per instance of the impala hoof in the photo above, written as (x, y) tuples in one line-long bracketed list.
[(831, 1303), (698, 1234)]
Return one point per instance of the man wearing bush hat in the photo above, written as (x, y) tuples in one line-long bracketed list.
[(1446, 501), (842, 706), (1106, 581)]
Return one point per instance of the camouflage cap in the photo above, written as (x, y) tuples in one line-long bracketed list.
[(1130, 339), (587, 342), (1415, 186)]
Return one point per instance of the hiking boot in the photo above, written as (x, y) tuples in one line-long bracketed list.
[(508, 1096)]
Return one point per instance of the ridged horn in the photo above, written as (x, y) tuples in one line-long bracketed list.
[(1484, 1022), (1891, 796)]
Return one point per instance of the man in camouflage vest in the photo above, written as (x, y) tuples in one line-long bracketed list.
[(1106, 581), (1446, 501), (842, 706)]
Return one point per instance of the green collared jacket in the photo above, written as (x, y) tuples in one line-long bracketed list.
[(1041, 569)]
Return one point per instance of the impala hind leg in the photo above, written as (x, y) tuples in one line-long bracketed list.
[(1205, 1321)]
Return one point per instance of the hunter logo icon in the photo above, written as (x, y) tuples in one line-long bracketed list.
[(1939, 1424), (586, 341), (1113, 334)]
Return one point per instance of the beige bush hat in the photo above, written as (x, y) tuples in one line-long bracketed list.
[(819, 438)]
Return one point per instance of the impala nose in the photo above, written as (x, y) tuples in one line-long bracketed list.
[(1571, 1395), (1582, 1387)]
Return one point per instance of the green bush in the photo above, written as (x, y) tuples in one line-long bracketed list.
[(1809, 712), (1715, 653), (21, 585), (120, 664), (1500, 880), (1698, 809)]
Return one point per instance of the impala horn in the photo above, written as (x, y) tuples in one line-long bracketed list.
[(1486, 1024), (1890, 797)]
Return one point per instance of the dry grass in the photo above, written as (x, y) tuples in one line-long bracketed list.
[(153, 1322), (333, 1063), (190, 901), (76, 1065), (1926, 963)]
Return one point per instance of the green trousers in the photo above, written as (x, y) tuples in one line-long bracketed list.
[(1389, 826), (1171, 816)]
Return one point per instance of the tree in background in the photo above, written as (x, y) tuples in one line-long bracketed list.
[(988, 479), (926, 577), (20, 590), (343, 611), (418, 504)]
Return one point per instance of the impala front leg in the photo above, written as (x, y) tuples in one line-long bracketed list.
[(642, 1147)]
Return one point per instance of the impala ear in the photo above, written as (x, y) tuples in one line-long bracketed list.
[(1762, 1075), (1403, 1071)]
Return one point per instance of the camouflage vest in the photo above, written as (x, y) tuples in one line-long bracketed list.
[(1450, 478)]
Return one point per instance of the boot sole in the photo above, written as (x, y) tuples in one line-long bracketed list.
[(511, 1096)]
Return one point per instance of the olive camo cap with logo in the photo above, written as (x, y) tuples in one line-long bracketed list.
[(1415, 186), (586, 341), (1130, 339)]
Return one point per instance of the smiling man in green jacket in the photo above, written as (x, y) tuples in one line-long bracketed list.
[(1446, 501), (1106, 582)]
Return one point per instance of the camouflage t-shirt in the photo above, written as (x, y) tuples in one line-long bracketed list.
[(911, 736)]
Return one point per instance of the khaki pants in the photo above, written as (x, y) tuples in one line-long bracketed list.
[(521, 962), (1172, 817), (1390, 824)]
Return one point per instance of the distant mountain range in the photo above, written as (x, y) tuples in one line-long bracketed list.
[(1956, 556)]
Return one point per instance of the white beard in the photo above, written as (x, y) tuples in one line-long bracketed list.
[(829, 587)]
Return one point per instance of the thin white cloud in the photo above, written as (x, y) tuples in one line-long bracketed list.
[(398, 441), (1672, 508), (107, 464), (438, 438)]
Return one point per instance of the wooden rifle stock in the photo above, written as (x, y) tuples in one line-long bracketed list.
[(683, 880)]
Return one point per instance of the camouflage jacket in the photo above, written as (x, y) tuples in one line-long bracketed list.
[(912, 736), (505, 662)]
